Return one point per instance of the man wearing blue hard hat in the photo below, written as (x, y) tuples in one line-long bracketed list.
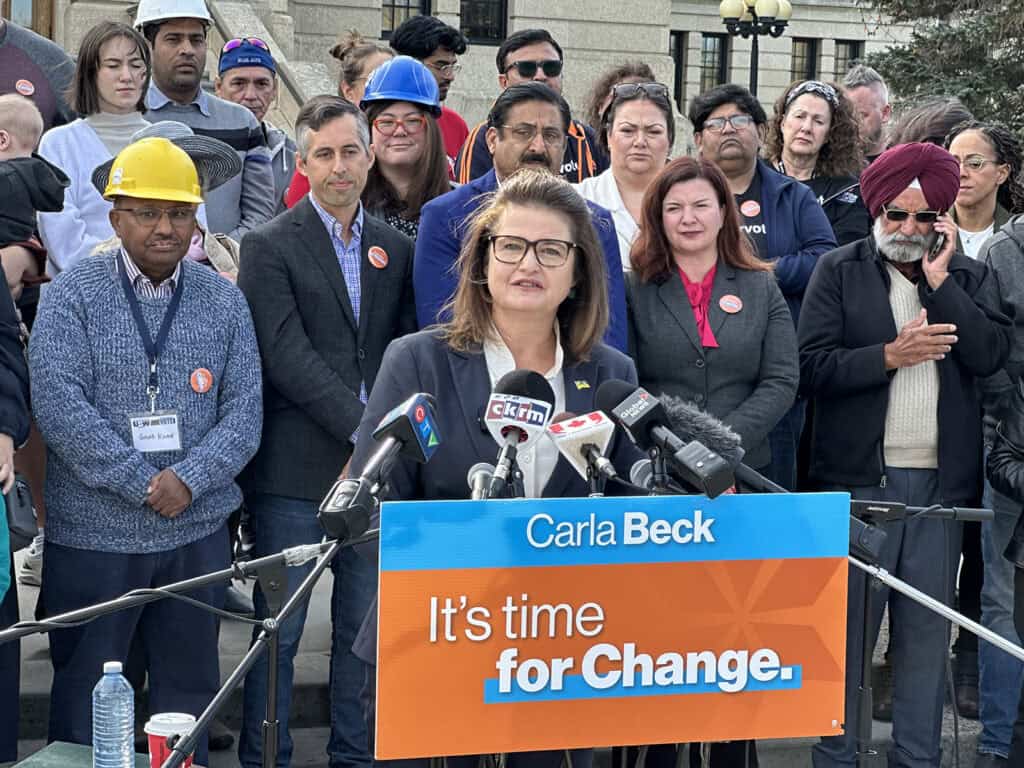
[(247, 75)]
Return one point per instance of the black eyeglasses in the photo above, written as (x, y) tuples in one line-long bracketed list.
[(738, 122), (509, 249), (150, 217), (629, 90), (528, 69), (921, 217)]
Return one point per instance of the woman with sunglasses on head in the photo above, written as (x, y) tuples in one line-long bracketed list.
[(358, 57), (531, 295), (637, 130), (402, 104), (109, 91), (814, 137), (708, 324), (600, 95)]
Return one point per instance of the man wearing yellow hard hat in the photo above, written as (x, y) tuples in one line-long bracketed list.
[(146, 387)]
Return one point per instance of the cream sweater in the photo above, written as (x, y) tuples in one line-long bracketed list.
[(912, 419)]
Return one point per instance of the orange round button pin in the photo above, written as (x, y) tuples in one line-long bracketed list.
[(201, 380), (378, 257), (731, 304), (750, 208), (25, 87)]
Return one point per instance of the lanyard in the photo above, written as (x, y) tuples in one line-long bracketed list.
[(153, 348)]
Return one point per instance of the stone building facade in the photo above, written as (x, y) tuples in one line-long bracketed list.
[(684, 41)]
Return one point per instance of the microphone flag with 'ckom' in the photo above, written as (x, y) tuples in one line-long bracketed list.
[(539, 624)]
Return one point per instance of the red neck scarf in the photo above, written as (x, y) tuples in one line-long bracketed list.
[(699, 295)]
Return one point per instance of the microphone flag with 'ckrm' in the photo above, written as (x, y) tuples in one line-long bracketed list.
[(583, 440), (518, 412)]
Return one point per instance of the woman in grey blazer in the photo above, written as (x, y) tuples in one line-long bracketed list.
[(707, 321)]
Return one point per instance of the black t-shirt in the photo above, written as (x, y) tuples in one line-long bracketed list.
[(751, 215)]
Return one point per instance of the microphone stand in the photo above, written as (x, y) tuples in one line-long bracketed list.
[(661, 483), (270, 571)]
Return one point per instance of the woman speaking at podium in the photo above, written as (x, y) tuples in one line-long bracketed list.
[(532, 294)]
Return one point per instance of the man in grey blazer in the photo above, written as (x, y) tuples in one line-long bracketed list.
[(330, 287)]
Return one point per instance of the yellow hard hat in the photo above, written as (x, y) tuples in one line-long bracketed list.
[(154, 169)]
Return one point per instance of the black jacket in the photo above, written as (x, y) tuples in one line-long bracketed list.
[(1006, 465), (840, 197), (845, 324), (315, 352)]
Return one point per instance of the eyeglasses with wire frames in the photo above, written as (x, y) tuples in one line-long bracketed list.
[(180, 218), (629, 90), (524, 133), (412, 124), (738, 122), (447, 69), (921, 217), (976, 162), (237, 42), (528, 69), (550, 253)]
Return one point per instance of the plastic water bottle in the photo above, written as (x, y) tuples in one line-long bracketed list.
[(113, 720)]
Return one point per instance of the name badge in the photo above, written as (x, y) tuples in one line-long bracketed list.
[(157, 431)]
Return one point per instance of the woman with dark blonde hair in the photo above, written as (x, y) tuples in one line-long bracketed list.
[(708, 324), (531, 295), (814, 137)]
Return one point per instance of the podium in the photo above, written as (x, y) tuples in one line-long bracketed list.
[(60, 754), (530, 624)]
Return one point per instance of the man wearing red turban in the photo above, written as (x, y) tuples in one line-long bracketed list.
[(894, 331)]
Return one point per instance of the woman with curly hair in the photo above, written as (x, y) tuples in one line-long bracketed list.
[(813, 138), (990, 180)]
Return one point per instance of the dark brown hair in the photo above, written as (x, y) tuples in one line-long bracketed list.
[(651, 255), (429, 181), (83, 94), (841, 154), (930, 121), (630, 71), (582, 317), (352, 49)]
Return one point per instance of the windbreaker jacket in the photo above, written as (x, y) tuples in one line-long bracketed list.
[(846, 323)]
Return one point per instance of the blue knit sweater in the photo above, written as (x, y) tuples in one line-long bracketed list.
[(89, 372)]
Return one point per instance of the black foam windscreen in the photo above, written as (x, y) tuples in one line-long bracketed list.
[(525, 383)]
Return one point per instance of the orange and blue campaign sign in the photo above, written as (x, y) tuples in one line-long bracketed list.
[(532, 624)]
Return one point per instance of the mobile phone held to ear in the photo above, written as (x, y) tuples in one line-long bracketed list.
[(940, 242)]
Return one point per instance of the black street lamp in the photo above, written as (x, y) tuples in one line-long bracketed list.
[(753, 18)]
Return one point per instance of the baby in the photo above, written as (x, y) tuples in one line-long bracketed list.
[(28, 183)]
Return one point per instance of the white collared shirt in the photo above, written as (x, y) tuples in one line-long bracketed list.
[(537, 463), (604, 191)]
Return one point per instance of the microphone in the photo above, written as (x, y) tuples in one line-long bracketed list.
[(644, 419), (479, 478), (688, 422), (409, 430), (641, 476), (517, 413), (583, 441)]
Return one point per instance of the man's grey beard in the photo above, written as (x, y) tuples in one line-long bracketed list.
[(899, 247)]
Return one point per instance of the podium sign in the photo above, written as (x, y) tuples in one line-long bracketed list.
[(560, 623)]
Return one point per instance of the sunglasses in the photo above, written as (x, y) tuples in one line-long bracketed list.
[(630, 90), (528, 69), (237, 42), (921, 217)]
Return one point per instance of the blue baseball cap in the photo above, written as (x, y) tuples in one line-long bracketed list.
[(245, 52)]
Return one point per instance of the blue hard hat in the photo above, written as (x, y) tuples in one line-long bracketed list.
[(403, 78)]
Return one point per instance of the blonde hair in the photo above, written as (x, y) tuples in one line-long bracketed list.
[(20, 117), (582, 317)]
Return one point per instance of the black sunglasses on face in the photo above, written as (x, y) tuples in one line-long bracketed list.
[(921, 217), (528, 69)]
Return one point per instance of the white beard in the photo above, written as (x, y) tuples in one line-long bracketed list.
[(899, 247)]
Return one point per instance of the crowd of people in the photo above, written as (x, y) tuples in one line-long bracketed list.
[(217, 315)]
